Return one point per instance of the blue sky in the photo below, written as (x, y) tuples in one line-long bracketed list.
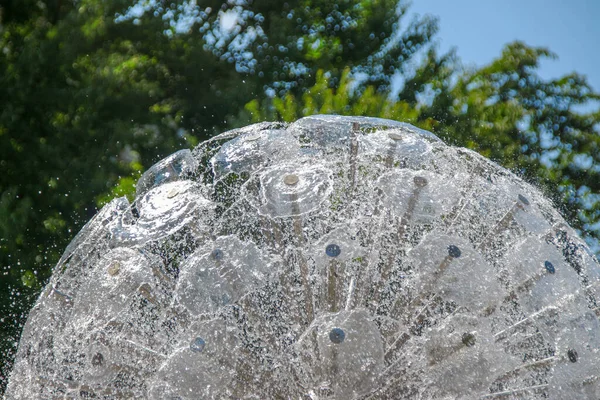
[(480, 28)]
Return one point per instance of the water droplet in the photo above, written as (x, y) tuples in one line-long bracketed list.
[(337, 335), (572, 354), (468, 339), (333, 250), (290, 180), (523, 199), (454, 251), (197, 345), (549, 267)]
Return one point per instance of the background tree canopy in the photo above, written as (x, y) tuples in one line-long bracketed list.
[(93, 92)]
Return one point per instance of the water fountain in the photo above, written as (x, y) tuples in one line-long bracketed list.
[(332, 258)]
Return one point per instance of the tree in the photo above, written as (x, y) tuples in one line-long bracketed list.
[(323, 99), (533, 126), (91, 93)]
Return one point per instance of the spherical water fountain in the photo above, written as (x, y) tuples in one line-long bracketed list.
[(332, 258)]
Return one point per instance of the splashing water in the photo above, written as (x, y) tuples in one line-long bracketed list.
[(336, 257)]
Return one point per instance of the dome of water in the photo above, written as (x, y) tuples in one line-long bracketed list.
[(332, 258)]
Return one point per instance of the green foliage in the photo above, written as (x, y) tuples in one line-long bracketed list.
[(508, 113), (323, 99), (125, 186)]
